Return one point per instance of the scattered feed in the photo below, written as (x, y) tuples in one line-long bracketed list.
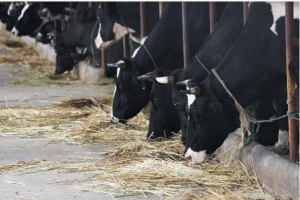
[(132, 165)]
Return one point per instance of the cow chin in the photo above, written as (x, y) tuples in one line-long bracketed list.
[(195, 157)]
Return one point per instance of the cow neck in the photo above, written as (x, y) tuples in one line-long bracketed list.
[(220, 41), (238, 67), (217, 44)]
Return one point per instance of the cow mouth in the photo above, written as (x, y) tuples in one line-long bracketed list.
[(117, 120), (189, 159)]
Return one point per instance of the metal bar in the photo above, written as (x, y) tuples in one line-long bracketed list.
[(103, 60), (126, 48), (90, 4), (245, 11), (185, 34), (293, 139), (143, 19), (161, 8), (212, 16)]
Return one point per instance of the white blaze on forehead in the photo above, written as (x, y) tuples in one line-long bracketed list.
[(191, 98), (278, 10), (24, 10), (194, 157)]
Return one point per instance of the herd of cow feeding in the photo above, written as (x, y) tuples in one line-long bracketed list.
[(207, 114)]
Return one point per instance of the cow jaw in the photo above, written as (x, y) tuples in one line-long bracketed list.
[(195, 157)]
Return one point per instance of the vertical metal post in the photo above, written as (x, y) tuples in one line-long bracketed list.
[(103, 60), (293, 139), (143, 19), (126, 49), (245, 11), (212, 16), (185, 34), (161, 8), (90, 4)]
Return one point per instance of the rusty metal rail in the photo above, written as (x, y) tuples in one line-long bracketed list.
[(293, 135)]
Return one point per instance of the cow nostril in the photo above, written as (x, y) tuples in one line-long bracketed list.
[(189, 158)]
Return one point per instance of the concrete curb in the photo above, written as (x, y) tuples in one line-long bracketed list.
[(86, 72), (277, 174)]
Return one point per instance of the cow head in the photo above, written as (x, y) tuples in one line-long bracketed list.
[(28, 21), (164, 118), (179, 100), (131, 94), (64, 59), (209, 122), (110, 28)]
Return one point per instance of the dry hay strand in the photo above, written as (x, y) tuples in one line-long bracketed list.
[(132, 165), (14, 44), (40, 70)]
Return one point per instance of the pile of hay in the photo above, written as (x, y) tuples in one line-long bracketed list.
[(37, 70), (132, 165)]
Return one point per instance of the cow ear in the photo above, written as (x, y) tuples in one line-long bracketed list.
[(165, 80), (149, 76), (120, 64)]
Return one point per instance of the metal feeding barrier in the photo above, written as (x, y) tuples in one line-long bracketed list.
[(290, 42)]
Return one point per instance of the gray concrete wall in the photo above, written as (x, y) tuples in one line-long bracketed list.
[(277, 174)]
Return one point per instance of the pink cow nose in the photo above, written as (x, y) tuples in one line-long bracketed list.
[(189, 158)]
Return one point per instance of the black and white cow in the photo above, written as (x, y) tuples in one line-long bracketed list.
[(162, 49), (211, 52), (115, 21), (164, 119), (81, 31), (12, 19), (253, 69), (35, 15)]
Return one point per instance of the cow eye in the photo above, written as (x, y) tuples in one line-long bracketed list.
[(176, 104), (155, 99)]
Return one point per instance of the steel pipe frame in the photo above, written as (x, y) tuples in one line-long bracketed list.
[(185, 34), (293, 137)]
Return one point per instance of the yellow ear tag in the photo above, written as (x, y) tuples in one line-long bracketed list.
[(143, 87)]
